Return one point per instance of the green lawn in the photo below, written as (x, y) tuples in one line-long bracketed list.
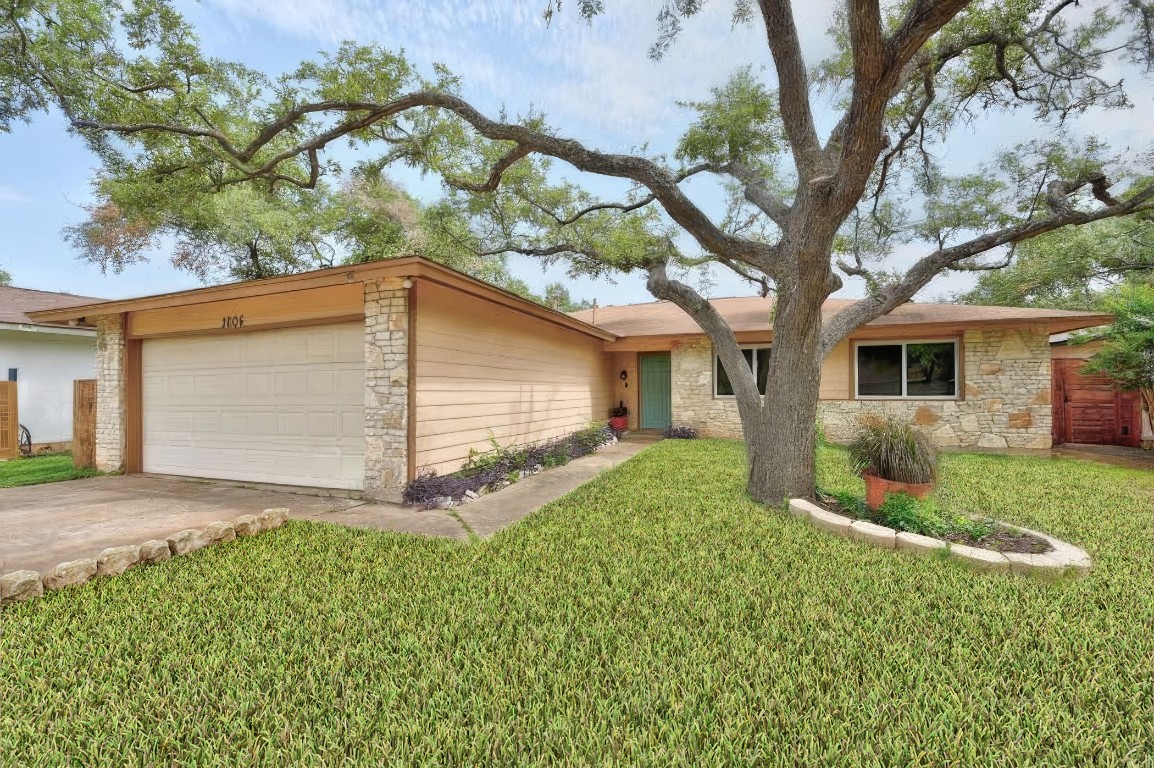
[(653, 617), (50, 468)]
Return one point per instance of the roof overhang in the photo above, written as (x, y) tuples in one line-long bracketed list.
[(53, 330), (1067, 324), (412, 267)]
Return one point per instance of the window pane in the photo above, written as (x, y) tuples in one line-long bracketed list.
[(930, 370), (762, 368), (724, 386), (879, 370)]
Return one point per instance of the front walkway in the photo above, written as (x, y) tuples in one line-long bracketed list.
[(492, 512), (42, 526), (1119, 455)]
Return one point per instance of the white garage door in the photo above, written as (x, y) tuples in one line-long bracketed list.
[(283, 406)]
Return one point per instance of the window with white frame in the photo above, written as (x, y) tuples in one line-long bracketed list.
[(907, 369), (757, 358)]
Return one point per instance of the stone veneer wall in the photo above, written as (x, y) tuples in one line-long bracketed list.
[(1006, 405), (386, 388), (110, 400)]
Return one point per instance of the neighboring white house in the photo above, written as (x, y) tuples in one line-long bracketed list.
[(44, 359)]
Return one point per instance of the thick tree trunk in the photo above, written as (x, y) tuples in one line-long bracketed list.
[(781, 444), (781, 456)]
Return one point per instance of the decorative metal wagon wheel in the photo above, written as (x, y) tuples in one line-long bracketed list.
[(25, 441)]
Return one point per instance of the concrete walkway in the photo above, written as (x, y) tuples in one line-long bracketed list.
[(1118, 455), (42, 526), (492, 512)]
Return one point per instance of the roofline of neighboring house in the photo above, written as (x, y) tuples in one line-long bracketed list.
[(415, 267), (91, 299), (55, 330)]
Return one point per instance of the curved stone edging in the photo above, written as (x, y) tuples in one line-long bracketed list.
[(1065, 557), (25, 585)]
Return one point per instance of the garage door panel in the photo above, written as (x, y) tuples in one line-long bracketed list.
[(282, 406)]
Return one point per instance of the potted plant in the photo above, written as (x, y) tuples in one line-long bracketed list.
[(892, 457)]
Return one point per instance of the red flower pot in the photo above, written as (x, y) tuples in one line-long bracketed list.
[(619, 423), (877, 488)]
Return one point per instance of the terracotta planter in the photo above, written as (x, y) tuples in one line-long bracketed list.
[(877, 488)]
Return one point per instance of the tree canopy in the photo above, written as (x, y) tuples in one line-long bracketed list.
[(246, 232), (806, 207), (1071, 269)]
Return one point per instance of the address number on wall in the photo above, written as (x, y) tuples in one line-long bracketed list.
[(232, 321)]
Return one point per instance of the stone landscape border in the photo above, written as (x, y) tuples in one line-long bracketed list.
[(1065, 557), (25, 585)]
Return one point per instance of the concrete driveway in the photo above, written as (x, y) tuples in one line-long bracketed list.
[(44, 525)]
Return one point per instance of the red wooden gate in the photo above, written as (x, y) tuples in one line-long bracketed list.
[(1092, 409)]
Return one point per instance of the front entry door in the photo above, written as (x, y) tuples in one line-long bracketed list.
[(656, 409)]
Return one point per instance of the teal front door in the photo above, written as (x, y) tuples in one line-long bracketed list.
[(656, 411)]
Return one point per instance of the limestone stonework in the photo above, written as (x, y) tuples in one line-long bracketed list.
[(1006, 402), (386, 388), (110, 403)]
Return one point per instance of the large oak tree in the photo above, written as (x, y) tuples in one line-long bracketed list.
[(806, 207)]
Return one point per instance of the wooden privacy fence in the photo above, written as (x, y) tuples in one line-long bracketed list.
[(84, 423), (9, 421)]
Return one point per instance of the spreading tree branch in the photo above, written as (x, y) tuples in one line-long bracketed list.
[(890, 297), (724, 342), (660, 181)]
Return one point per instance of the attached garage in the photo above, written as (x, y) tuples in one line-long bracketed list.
[(351, 378), (280, 406)]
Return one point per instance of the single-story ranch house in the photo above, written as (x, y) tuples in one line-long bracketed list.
[(361, 377)]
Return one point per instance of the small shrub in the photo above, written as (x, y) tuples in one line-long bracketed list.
[(903, 512), (894, 450), (680, 433)]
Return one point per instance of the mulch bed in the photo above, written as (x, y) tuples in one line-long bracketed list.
[(1002, 539)]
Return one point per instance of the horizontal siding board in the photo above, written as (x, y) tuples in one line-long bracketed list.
[(483, 370), (512, 419), (835, 375)]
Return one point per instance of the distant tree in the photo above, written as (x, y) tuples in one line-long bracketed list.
[(1071, 268), (810, 201), (557, 297), (5, 277), (1127, 352)]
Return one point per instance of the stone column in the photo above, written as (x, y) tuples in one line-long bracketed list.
[(386, 388), (110, 402)]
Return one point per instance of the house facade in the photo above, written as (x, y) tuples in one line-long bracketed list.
[(362, 377), (974, 377), (44, 359)]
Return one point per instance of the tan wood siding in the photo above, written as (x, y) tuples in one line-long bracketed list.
[(330, 304), (481, 367), (835, 374)]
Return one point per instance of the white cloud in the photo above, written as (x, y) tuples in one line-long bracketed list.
[(595, 80), (11, 195)]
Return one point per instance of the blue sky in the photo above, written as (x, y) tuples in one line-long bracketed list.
[(594, 82)]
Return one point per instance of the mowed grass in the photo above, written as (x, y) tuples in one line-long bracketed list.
[(653, 617), (40, 469)]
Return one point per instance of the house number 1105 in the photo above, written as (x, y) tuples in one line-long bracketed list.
[(232, 321)]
